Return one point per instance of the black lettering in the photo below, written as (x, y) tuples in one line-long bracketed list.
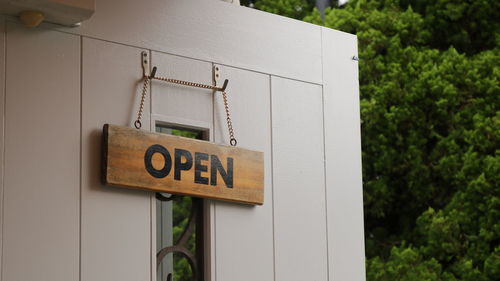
[(182, 166), (199, 168), (216, 165), (148, 157)]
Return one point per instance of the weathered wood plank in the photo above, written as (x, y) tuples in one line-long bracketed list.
[(164, 163)]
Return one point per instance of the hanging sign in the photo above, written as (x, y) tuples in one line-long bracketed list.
[(165, 163)]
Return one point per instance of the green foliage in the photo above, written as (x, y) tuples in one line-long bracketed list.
[(181, 211), (430, 98), (470, 26), (405, 264), (296, 9), (187, 134)]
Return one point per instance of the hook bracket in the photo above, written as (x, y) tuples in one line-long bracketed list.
[(217, 79), (223, 89), (153, 72), (145, 63)]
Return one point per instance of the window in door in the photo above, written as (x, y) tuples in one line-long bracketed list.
[(179, 226)]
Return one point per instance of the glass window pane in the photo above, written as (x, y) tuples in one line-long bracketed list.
[(173, 214)]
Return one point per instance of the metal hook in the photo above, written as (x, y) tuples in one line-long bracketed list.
[(224, 85), (153, 73)]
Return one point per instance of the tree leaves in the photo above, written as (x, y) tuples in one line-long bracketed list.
[(430, 98), (430, 139)]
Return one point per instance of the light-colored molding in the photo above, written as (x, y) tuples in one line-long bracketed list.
[(236, 2), (266, 43), (42, 124), (344, 195)]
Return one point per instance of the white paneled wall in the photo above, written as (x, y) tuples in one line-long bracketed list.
[(41, 227), (293, 94), (299, 181), (343, 156), (176, 105), (211, 30), (115, 222), (244, 234)]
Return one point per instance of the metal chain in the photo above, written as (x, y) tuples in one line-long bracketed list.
[(186, 83), (138, 124), (232, 139)]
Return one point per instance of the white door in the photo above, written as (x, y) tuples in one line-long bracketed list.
[(293, 94)]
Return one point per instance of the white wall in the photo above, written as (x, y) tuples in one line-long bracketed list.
[(42, 156), (293, 94)]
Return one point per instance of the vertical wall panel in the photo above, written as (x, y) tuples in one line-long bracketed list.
[(244, 234), (116, 222), (2, 120), (298, 175), (42, 163), (180, 103), (185, 107), (343, 157)]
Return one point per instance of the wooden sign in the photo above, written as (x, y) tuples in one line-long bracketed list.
[(165, 163)]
